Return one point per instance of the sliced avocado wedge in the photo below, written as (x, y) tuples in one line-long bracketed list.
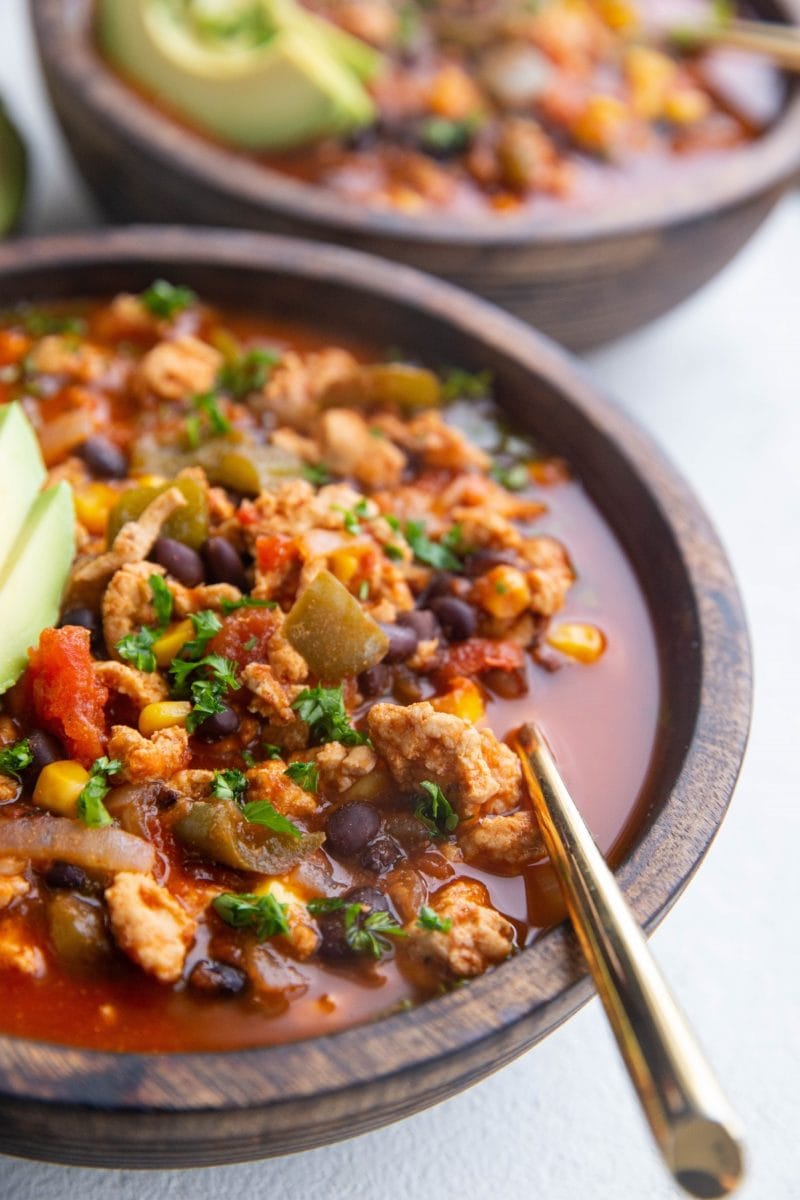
[(13, 173), (33, 578), (293, 87), (22, 473)]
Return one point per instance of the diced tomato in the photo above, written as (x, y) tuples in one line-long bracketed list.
[(245, 635), (276, 552), (66, 695), (480, 654), (13, 347)]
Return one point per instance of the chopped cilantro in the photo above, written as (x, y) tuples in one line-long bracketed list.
[(248, 373), (14, 759), (429, 919), (248, 758), (229, 785), (370, 934), (363, 590), (271, 750), (441, 554), (261, 812), (206, 625), (265, 915), (40, 324), (137, 648), (458, 384), (515, 477), (91, 809), (392, 521), (317, 473), (162, 600), (229, 606), (163, 299), (392, 552), (251, 643), (324, 711), (440, 135), (436, 810), (206, 702), (306, 774), (207, 405), (325, 904)]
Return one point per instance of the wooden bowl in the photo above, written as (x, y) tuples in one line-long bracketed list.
[(136, 1110), (581, 278)]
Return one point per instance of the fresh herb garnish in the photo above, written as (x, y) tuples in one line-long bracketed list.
[(41, 324), (206, 625), (163, 299), (206, 702), (271, 750), (229, 606), (436, 810), (458, 384), (515, 477), (306, 774), (162, 600), (91, 809), (207, 405), (428, 918), (440, 135), (324, 711), (265, 915), (370, 935), (229, 785), (363, 590), (248, 758), (14, 759), (261, 812), (325, 904), (440, 555), (350, 515), (317, 473), (392, 552), (137, 648), (248, 373), (206, 692)]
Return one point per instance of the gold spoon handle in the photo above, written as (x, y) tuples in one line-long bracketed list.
[(695, 1129), (780, 43)]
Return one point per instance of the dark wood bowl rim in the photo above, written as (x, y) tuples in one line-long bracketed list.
[(66, 49), (549, 974)]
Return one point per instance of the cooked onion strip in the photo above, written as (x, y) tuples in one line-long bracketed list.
[(41, 839)]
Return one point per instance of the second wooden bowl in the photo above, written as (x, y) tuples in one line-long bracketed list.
[(147, 1110), (582, 278)]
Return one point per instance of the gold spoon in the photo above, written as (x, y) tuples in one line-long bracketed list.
[(781, 43), (695, 1129)]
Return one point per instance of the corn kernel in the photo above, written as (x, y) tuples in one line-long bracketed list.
[(163, 715), (578, 640), (650, 74), (503, 592), (619, 14), (93, 503), (463, 700), (687, 105), (602, 124), (59, 785), (346, 563), (172, 642), (370, 787), (453, 95)]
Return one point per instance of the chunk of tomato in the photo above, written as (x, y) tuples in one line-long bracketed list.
[(67, 697)]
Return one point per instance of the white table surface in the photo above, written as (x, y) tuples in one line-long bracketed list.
[(718, 383)]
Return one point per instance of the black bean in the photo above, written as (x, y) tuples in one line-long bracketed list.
[(46, 749), (483, 560), (86, 619), (224, 562), (217, 978), (440, 584), (333, 931), (376, 681), (369, 898), (103, 458), (380, 855), (65, 875), (218, 725), (351, 827), (182, 562), (423, 622), (458, 619), (403, 642)]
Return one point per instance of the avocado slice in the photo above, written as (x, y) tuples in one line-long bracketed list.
[(33, 577), (13, 173), (282, 91), (22, 473)]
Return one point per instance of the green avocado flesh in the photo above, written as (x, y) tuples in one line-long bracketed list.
[(21, 474), (278, 78), (13, 173), (35, 566)]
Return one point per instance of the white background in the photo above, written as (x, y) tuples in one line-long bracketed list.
[(718, 383)]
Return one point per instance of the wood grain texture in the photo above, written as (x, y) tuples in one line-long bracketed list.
[(582, 278), (191, 1109)]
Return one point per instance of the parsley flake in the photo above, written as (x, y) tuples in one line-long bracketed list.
[(14, 759), (230, 606), (163, 299), (458, 384), (91, 809), (514, 478), (137, 649), (441, 554), (324, 711), (370, 935), (428, 918), (229, 785), (265, 915), (436, 810), (248, 373), (306, 774), (325, 904), (207, 404), (261, 812), (317, 473)]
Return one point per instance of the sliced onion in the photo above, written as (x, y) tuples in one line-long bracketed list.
[(61, 435), (40, 839)]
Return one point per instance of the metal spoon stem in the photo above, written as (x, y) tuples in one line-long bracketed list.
[(695, 1129)]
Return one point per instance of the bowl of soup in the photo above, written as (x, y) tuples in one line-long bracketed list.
[(269, 875), (568, 162)]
